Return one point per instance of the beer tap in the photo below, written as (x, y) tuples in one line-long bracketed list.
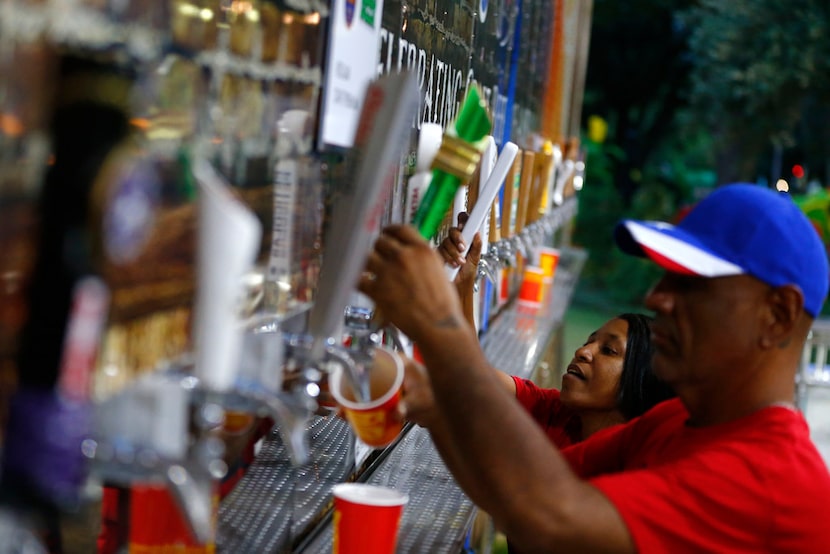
[(163, 427), (390, 104), (478, 214), (506, 255), (266, 369)]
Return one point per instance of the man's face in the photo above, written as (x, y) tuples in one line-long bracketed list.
[(705, 329)]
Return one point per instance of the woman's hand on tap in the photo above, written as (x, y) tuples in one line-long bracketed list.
[(452, 249)]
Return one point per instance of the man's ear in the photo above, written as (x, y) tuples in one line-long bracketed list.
[(786, 309)]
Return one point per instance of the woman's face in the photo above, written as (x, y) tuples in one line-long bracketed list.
[(592, 378)]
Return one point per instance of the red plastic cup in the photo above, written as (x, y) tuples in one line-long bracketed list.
[(548, 260), (366, 518), (532, 290), (376, 422)]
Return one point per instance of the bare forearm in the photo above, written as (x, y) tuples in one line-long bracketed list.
[(477, 412), (467, 296), (496, 452), (502, 458)]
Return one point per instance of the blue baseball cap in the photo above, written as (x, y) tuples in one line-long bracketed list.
[(738, 229)]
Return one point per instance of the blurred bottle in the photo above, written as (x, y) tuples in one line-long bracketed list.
[(43, 468)]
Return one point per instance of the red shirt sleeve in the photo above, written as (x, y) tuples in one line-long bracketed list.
[(560, 425)]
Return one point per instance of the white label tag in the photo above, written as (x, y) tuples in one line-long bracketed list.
[(285, 191)]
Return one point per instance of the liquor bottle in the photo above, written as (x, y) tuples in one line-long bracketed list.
[(43, 467)]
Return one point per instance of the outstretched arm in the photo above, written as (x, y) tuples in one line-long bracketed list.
[(508, 466), (451, 250)]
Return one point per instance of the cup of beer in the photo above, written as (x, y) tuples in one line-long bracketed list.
[(375, 422)]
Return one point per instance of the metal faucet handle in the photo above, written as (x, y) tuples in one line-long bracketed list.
[(536, 232), (161, 426), (519, 246), (506, 254), (156, 430), (493, 258), (369, 334), (527, 242), (487, 270), (363, 333), (306, 351)]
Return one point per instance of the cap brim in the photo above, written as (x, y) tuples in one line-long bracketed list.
[(672, 249)]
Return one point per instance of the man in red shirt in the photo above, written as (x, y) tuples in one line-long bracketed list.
[(728, 466)]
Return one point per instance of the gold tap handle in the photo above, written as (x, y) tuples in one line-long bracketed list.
[(509, 191), (494, 224), (525, 185), (472, 189), (572, 153), (532, 203), (541, 169)]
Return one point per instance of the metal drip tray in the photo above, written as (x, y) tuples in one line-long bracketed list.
[(438, 514), (275, 504), (279, 508)]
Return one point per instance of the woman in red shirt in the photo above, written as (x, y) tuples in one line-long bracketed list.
[(608, 381)]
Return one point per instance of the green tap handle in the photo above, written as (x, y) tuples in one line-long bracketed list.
[(472, 125)]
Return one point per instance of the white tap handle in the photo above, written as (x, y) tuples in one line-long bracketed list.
[(387, 113), (478, 214), (228, 240)]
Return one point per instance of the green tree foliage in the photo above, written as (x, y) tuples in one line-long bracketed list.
[(600, 207), (695, 92), (757, 66), (610, 276), (637, 79)]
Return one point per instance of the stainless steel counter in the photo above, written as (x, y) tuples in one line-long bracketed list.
[(438, 514), (280, 508), (275, 504)]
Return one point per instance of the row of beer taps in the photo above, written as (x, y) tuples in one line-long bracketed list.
[(506, 252)]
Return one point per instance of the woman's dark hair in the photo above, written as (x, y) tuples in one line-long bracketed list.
[(639, 388)]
